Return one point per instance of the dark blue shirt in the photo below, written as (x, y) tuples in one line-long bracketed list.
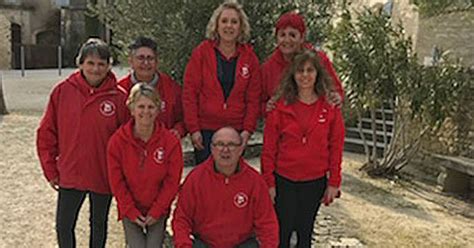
[(226, 72)]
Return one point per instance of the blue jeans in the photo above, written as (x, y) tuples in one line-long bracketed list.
[(201, 156), (69, 205), (249, 243)]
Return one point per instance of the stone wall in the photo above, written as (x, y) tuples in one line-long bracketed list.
[(5, 44), (453, 32), (407, 14)]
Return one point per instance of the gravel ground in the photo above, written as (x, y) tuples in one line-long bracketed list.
[(378, 212)]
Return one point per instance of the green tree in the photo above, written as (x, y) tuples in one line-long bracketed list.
[(179, 26), (378, 67)]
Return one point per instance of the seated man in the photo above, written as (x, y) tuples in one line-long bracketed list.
[(224, 202)]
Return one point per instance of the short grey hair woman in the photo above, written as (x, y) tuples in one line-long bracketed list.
[(83, 112)]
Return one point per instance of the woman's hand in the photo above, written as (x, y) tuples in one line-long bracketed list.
[(272, 192), (330, 194), (245, 135), (149, 221), (175, 133), (334, 98), (54, 183), (196, 138), (141, 221), (270, 105)]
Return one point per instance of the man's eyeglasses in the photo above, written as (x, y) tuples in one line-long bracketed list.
[(231, 146), (142, 59)]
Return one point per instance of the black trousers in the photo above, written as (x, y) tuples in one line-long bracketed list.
[(296, 205), (202, 155), (69, 205)]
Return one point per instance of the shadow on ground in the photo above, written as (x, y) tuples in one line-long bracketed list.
[(382, 197)]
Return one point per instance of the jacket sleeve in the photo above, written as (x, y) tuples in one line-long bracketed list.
[(265, 220), (170, 184), (253, 95), (327, 64), (183, 216), (118, 184), (122, 109), (178, 111), (270, 147), (192, 82), (336, 146), (47, 140), (265, 94)]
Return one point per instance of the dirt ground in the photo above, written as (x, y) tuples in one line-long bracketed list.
[(380, 213)]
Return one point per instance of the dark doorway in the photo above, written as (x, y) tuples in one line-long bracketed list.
[(16, 45)]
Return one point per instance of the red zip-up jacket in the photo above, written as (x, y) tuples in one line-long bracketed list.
[(171, 113), (303, 156), (203, 98), (144, 177), (224, 211), (275, 67), (73, 134)]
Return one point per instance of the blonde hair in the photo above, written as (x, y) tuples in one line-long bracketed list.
[(211, 30), (143, 89)]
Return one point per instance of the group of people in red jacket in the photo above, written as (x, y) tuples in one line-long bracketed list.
[(102, 137)]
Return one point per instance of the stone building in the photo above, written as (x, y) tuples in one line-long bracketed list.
[(453, 31), (40, 26)]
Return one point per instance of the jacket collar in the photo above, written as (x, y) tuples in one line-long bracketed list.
[(78, 80), (126, 132), (209, 165)]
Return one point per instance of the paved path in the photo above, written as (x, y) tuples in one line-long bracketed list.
[(30, 93)]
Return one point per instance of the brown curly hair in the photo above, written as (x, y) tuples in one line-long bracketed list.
[(288, 88)]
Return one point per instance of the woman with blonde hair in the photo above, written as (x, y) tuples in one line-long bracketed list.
[(302, 148), (221, 80), (145, 163)]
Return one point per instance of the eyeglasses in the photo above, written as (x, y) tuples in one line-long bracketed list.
[(231, 146), (148, 59)]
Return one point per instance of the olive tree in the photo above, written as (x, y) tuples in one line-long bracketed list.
[(178, 26), (379, 69)]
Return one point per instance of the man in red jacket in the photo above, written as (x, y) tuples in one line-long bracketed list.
[(224, 202), (143, 60)]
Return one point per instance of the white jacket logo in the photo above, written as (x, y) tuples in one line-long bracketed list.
[(163, 106), (241, 200), (245, 71), (159, 155), (107, 108)]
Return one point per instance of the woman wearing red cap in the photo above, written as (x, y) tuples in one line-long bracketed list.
[(222, 80), (290, 36)]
